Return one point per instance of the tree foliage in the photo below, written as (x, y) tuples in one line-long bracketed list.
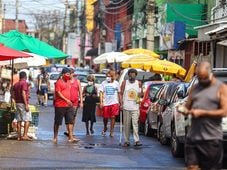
[(48, 25)]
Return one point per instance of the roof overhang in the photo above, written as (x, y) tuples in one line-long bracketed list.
[(211, 24), (219, 29), (223, 43)]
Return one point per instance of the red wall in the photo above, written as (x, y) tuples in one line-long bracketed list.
[(119, 16)]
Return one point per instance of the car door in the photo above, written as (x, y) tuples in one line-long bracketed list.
[(153, 110), (166, 113)]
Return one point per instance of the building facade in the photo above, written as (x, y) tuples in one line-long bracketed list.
[(113, 23), (215, 33)]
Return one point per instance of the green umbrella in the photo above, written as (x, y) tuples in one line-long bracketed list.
[(23, 42)]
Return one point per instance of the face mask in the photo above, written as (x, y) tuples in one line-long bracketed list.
[(132, 79), (66, 77), (90, 83), (108, 79)]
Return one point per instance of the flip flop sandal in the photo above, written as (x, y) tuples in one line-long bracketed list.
[(66, 133), (126, 144), (103, 133), (111, 134), (55, 141), (73, 140), (138, 144), (26, 139)]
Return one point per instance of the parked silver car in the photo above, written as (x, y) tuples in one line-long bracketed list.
[(180, 123)]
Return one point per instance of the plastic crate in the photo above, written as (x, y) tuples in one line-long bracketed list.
[(35, 119), (5, 121), (35, 115)]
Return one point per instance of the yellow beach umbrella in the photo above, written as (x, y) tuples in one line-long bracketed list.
[(141, 51), (165, 67), (137, 61), (190, 72)]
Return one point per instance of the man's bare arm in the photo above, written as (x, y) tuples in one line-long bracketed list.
[(80, 93)]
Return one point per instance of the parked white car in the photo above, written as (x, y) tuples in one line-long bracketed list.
[(180, 123), (99, 78), (141, 76), (53, 77)]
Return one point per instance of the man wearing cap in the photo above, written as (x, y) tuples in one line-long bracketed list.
[(63, 105), (76, 96)]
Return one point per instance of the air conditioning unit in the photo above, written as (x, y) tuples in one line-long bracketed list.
[(104, 32)]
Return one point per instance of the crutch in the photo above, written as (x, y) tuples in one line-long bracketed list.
[(121, 126)]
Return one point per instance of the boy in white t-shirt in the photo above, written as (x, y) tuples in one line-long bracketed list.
[(109, 100)]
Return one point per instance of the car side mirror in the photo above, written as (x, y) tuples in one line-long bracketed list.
[(180, 94), (162, 102)]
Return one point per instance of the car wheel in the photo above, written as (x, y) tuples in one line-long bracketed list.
[(161, 134), (177, 148)]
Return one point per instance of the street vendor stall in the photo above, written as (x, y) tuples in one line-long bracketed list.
[(8, 123), (6, 107)]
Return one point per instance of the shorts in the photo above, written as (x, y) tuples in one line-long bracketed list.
[(44, 90), (207, 154), (22, 114), (110, 111), (66, 112)]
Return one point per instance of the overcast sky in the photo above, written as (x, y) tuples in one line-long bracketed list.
[(28, 6)]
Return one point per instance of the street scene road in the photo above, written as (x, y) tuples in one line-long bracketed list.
[(91, 152), (160, 63)]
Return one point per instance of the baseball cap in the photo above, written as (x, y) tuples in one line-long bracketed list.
[(72, 70), (65, 70)]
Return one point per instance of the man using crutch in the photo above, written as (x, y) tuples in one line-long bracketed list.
[(131, 91)]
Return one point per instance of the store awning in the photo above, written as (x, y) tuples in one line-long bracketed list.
[(216, 30), (224, 43)]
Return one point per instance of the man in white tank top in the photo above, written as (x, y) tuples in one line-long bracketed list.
[(131, 92)]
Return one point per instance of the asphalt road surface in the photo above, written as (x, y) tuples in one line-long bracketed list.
[(92, 152)]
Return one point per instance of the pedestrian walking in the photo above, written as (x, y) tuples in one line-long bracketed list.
[(76, 97), (63, 105), (90, 94), (131, 91), (207, 104), (109, 101), (43, 85), (20, 95)]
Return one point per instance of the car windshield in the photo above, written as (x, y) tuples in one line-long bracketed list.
[(153, 89), (141, 76), (54, 76), (99, 79), (84, 70), (82, 78)]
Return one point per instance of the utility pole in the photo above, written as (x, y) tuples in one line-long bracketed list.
[(76, 18), (1, 17), (150, 24), (64, 27), (101, 27), (83, 32), (16, 21)]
